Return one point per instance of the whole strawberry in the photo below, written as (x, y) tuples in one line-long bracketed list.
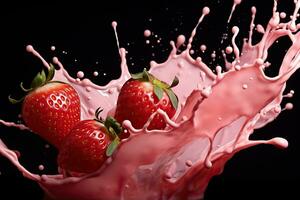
[(141, 96), (50, 108), (88, 145)]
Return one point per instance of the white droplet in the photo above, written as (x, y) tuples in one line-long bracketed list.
[(228, 50), (203, 47), (41, 167), (205, 10), (189, 163), (80, 74), (245, 86), (95, 73), (147, 33), (88, 89), (289, 106)]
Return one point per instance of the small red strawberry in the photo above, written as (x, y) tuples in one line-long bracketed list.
[(141, 96), (51, 108), (88, 145)]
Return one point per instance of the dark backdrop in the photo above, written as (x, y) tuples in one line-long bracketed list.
[(83, 30)]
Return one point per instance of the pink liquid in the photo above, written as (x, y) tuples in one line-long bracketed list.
[(217, 115)]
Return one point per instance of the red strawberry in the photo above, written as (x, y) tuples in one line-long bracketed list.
[(88, 145), (141, 96), (50, 109)]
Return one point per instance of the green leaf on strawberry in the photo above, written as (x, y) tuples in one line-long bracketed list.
[(159, 86), (49, 108), (112, 147), (141, 96), (39, 80)]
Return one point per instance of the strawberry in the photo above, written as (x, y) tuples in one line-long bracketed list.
[(50, 108), (141, 96), (88, 145)]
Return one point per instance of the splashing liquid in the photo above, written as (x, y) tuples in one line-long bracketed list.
[(217, 114)]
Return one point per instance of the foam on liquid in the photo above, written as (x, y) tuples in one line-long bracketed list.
[(217, 114)]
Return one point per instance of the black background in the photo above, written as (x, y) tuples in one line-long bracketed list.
[(84, 31)]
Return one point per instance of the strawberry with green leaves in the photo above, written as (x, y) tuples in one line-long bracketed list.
[(50, 108), (89, 144), (143, 95)]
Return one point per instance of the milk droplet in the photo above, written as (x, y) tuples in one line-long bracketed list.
[(88, 89), (289, 106), (91, 111), (203, 47), (213, 55), (280, 142), (109, 160), (55, 60), (245, 86), (80, 74), (41, 167), (147, 33), (52, 48), (147, 41), (237, 2), (253, 10), (110, 91), (228, 50), (205, 10), (260, 28), (95, 73), (47, 146), (180, 40), (282, 15), (29, 48), (114, 24), (192, 51), (235, 29), (189, 163), (208, 164)]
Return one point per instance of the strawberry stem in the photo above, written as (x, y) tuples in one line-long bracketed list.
[(15, 101), (39, 80), (159, 87), (97, 114), (174, 82), (24, 89), (112, 147), (111, 122)]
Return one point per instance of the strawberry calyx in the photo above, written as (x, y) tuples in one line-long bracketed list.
[(39, 80), (113, 128), (159, 87)]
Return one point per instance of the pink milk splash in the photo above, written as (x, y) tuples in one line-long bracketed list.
[(217, 114)]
